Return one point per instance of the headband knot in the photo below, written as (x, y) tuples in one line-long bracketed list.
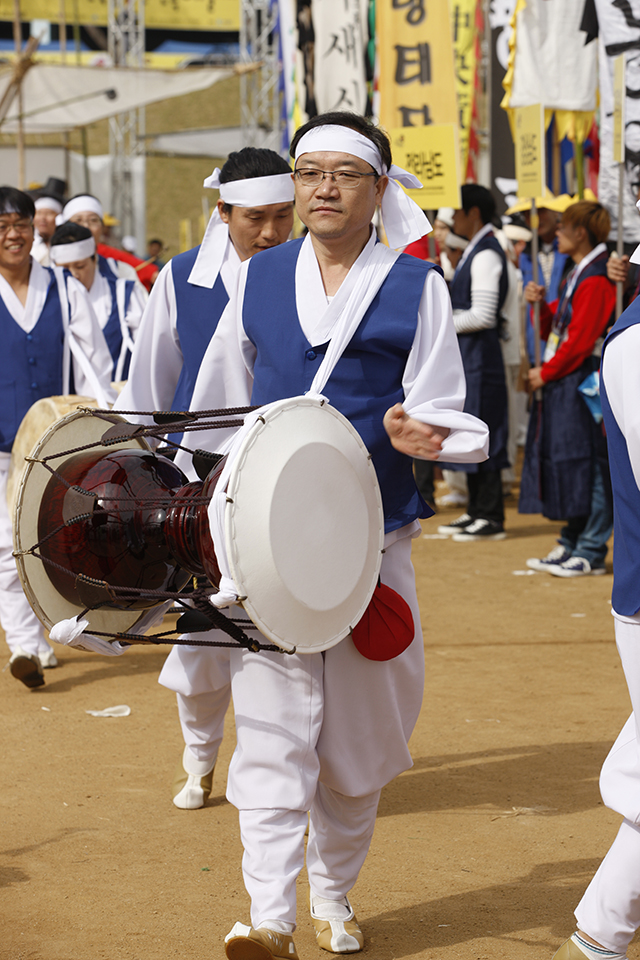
[(404, 221)]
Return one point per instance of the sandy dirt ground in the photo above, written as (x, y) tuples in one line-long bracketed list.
[(482, 850)]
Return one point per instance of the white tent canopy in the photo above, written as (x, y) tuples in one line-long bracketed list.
[(58, 98)]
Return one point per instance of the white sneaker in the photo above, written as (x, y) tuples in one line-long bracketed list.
[(577, 567), (554, 558), (456, 525)]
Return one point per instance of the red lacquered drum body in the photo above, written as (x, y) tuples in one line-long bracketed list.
[(138, 531)]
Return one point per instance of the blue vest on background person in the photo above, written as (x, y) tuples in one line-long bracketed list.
[(199, 309), (30, 363), (562, 439), (366, 381), (483, 364), (558, 271), (625, 598), (112, 330), (105, 268)]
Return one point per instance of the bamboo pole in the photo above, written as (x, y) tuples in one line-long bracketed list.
[(17, 40)]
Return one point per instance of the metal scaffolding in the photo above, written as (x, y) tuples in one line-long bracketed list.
[(126, 130), (260, 94)]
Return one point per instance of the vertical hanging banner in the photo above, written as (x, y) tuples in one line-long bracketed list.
[(433, 154), (619, 91), (465, 35), (619, 26), (341, 35), (417, 83), (530, 145)]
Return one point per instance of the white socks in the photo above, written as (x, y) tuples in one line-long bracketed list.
[(278, 926), (323, 909), (595, 953)]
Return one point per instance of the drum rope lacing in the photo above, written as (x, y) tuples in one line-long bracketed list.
[(210, 618)]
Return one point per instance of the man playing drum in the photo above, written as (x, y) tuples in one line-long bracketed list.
[(254, 213), (324, 732), (47, 321)]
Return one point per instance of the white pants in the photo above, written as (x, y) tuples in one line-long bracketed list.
[(20, 624), (200, 678), (320, 733), (340, 832), (609, 912)]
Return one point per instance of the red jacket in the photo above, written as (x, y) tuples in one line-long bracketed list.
[(147, 272), (592, 304)]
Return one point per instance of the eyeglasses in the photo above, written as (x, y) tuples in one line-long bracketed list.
[(22, 226), (345, 179)]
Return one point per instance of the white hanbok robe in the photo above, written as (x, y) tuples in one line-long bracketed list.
[(20, 624)]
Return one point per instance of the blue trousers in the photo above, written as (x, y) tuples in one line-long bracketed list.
[(587, 536)]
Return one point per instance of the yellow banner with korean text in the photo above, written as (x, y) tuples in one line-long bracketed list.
[(162, 14), (529, 134), (464, 32), (416, 84), (433, 154)]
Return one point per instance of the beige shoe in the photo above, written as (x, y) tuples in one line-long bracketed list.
[(192, 783), (26, 668), (338, 936), (569, 951), (245, 943)]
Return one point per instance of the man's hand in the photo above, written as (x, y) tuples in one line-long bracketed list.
[(412, 437), (535, 380), (533, 292), (618, 268)]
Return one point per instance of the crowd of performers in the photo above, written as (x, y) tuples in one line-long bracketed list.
[(432, 374)]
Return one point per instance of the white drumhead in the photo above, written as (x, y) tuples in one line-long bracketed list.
[(71, 431), (35, 422), (304, 526)]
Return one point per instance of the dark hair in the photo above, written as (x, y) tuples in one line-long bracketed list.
[(473, 195), (155, 240), (16, 201), (70, 233), (355, 122), (252, 162), (592, 216)]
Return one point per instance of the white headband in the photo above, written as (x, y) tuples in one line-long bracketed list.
[(253, 191), (81, 205), (404, 221), (48, 203), (64, 253)]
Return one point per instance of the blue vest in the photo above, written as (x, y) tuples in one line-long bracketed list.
[(625, 598), (105, 268), (483, 364), (553, 290), (30, 363), (562, 440), (199, 309), (461, 283), (367, 379), (112, 331)]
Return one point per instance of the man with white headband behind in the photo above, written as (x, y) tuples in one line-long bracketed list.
[(117, 303), (254, 213), (323, 733), (113, 263), (48, 207), (49, 332)]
